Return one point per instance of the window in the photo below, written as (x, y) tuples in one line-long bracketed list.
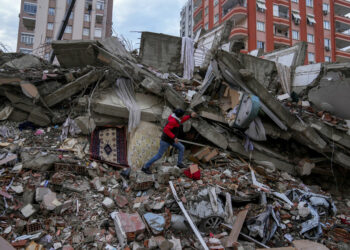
[(68, 29), (99, 19), (98, 32), (275, 10), (71, 15), (310, 3), (51, 11), (27, 38), (29, 8), (326, 25), (50, 26), (325, 7), (86, 32), (261, 7), (216, 18), (47, 56), (87, 18), (327, 59), (310, 38), (261, 45), (100, 5), (311, 57), (25, 51), (311, 20), (48, 39), (206, 11), (327, 43), (295, 35), (206, 26), (295, 1), (69, 2), (216, 2), (260, 26)]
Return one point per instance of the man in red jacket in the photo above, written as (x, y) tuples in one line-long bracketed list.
[(169, 137)]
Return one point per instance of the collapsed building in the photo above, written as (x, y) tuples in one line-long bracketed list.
[(268, 154)]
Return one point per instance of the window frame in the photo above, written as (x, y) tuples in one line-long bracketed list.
[(34, 6), (262, 24), (311, 36), (295, 32)]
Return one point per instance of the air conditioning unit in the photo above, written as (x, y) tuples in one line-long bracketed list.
[(325, 12), (327, 48)]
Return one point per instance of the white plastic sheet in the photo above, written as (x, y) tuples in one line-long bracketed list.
[(125, 92), (187, 57)]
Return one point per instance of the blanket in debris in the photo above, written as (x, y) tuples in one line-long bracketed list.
[(109, 145)]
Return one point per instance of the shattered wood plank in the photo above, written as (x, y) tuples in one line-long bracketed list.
[(72, 88), (211, 155), (188, 218), (236, 228)]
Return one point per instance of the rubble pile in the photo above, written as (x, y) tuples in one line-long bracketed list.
[(268, 154)]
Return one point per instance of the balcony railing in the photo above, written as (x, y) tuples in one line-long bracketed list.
[(230, 5)]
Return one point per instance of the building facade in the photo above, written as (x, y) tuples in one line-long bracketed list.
[(186, 22), (41, 20), (274, 24)]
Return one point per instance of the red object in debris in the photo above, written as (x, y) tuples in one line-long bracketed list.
[(193, 172), (20, 243), (345, 221)]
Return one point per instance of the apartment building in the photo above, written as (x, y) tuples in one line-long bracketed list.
[(41, 20), (186, 22), (273, 24)]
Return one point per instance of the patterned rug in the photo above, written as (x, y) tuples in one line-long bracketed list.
[(109, 145)]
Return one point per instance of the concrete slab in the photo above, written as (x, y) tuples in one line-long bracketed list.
[(109, 104), (161, 51)]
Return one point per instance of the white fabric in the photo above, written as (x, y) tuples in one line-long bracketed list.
[(69, 127), (125, 92), (187, 57)]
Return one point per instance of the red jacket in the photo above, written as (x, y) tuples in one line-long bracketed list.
[(171, 129)]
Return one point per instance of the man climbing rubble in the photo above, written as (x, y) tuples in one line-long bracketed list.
[(169, 137)]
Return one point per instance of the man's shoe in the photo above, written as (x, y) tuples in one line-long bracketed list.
[(181, 165), (146, 171)]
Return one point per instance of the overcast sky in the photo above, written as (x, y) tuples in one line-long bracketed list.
[(162, 16)]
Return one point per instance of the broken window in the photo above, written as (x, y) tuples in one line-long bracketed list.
[(27, 38), (88, 5), (327, 59), (30, 8), (206, 26), (99, 19), (231, 4)]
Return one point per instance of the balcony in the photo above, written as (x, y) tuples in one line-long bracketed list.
[(281, 15), (197, 5), (239, 32), (343, 55), (234, 8), (29, 23), (281, 36), (342, 12)]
